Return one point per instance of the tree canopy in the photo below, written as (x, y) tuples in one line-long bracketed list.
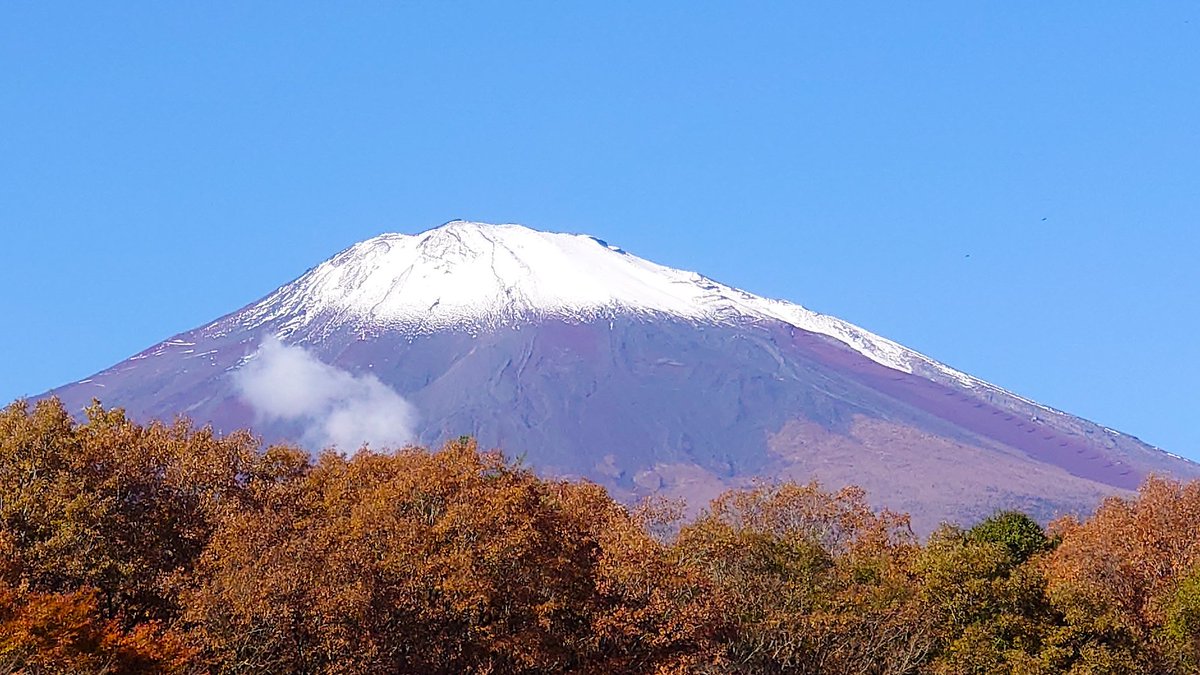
[(128, 548)]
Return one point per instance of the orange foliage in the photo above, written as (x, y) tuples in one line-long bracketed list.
[(420, 562), (1118, 574), (65, 632), (814, 581), (163, 548)]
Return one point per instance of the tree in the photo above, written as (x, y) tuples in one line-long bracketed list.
[(437, 563), (985, 588), (814, 581), (66, 633), (1122, 579)]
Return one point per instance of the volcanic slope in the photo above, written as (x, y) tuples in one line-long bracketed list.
[(589, 361)]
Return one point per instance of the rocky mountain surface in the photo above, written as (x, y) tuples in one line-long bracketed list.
[(588, 361)]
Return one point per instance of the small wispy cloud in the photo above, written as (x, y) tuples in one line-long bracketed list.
[(333, 407)]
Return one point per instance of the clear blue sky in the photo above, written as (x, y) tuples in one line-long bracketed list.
[(162, 164)]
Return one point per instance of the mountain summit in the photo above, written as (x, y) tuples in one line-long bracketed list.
[(478, 276), (590, 361)]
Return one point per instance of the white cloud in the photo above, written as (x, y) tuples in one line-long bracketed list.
[(334, 407)]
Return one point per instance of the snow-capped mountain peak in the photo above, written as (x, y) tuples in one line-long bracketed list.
[(475, 276), (602, 364), (465, 274)]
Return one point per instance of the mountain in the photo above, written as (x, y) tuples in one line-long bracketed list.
[(589, 361)]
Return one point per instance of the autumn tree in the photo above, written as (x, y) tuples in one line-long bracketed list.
[(1125, 580), (111, 505), (447, 562), (987, 591), (128, 548), (814, 581), (65, 632)]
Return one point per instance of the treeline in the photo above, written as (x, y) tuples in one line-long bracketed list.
[(165, 549)]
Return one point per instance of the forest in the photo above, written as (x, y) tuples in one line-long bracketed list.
[(164, 548)]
